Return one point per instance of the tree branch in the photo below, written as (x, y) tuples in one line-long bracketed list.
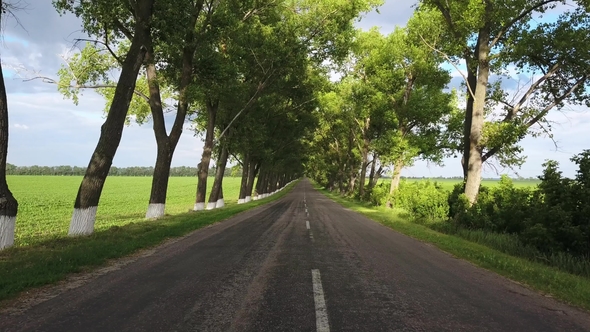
[(50, 80), (530, 91), (103, 43), (261, 86), (542, 113), (518, 18), (123, 29)]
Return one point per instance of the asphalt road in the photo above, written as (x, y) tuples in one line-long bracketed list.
[(264, 270)]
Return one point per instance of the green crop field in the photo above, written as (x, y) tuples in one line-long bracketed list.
[(46, 202), (450, 183)]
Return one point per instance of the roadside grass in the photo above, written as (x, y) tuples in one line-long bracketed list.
[(46, 203), (511, 245), (51, 260), (570, 288)]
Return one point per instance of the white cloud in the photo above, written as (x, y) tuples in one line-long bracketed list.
[(21, 126)]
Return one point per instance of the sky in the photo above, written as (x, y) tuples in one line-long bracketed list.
[(46, 129)]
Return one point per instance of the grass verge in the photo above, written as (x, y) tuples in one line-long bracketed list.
[(23, 268), (567, 287)]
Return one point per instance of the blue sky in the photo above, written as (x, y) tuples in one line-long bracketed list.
[(45, 129)]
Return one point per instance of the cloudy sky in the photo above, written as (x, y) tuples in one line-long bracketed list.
[(46, 129)]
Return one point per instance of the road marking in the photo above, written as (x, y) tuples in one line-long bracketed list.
[(307, 224), (306, 210), (321, 312)]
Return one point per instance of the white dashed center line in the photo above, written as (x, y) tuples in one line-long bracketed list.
[(321, 311), (307, 224)]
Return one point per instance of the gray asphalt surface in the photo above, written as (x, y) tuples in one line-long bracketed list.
[(253, 272)]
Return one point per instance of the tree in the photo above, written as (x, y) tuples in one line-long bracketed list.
[(167, 68), (99, 16), (491, 35), (8, 204), (392, 105), (167, 142), (271, 50)]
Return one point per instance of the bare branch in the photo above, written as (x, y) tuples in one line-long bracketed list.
[(452, 63), (557, 101), (532, 90), (542, 113)]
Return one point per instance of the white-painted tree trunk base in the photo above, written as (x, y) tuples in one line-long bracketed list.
[(220, 203), (211, 206), (241, 201), (248, 199), (155, 210), (199, 206), (82, 222), (255, 198), (7, 225)]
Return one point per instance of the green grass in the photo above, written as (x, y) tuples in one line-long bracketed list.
[(510, 244), (567, 287), (448, 184), (46, 203), (121, 229)]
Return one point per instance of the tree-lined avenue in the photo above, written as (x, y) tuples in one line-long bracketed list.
[(261, 271)]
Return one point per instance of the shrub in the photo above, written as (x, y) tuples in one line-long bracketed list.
[(501, 209), (379, 193), (424, 201), (553, 218)]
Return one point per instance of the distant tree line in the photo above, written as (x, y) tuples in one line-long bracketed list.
[(66, 170)]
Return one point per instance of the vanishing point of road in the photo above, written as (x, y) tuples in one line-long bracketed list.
[(301, 263)]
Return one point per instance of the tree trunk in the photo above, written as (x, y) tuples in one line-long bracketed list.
[(395, 180), (365, 157), (363, 176), (376, 177), (206, 157), (397, 175), (474, 161), (8, 204), (283, 181), (220, 199), (160, 179), (273, 183), (260, 183), (472, 81), (82, 222), (351, 183), (252, 172), (372, 172), (244, 183), (217, 184), (166, 144)]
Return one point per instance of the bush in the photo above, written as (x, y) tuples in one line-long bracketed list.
[(379, 194), (501, 209), (424, 201), (553, 218)]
